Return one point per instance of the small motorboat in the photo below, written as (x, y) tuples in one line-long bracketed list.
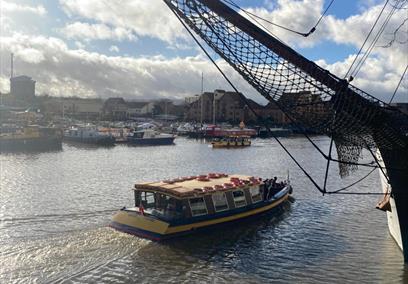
[(88, 134), (150, 137)]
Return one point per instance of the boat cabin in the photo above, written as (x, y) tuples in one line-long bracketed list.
[(202, 195)]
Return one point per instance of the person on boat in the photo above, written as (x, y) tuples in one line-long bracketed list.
[(274, 182), (266, 189), (141, 209)]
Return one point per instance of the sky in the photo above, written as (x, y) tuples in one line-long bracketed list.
[(138, 50)]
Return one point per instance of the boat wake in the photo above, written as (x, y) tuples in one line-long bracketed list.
[(64, 257)]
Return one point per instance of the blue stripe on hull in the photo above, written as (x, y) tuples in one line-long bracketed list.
[(158, 237), (151, 141)]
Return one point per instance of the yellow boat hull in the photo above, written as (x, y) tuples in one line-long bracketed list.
[(147, 226)]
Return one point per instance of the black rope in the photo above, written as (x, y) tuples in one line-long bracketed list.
[(372, 45), (312, 30), (249, 106), (363, 193), (321, 17), (326, 175), (372, 28), (399, 83), (244, 99), (350, 185)]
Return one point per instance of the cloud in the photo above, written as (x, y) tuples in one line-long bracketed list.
[(144, 18), (76, 72), (9, 7), (114, 48), (86, 31), (62, 71)]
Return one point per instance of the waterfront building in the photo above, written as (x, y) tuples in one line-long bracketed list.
[(22, 88), (136, 108), (115, 109), (220, 106), (80, 108)]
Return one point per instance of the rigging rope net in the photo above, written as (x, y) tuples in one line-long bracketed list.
[(309, 95)]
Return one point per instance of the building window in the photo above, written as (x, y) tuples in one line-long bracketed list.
[(197, 206), (220, 201), (255, 194), (239, 198)]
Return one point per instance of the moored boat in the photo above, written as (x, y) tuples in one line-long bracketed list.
[(30, 138), (150, 137), (89, 135), (171, 208), (232, 142)]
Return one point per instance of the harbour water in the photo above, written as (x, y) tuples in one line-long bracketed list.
[(55, 208)]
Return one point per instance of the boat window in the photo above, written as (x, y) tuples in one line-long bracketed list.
[(220, 201), (197, 206), (256, 194), (239, 198), (148, 200)]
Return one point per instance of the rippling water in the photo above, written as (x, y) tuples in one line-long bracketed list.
[(55, 208)]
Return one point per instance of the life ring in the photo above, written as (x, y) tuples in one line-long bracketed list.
[(218, 186)]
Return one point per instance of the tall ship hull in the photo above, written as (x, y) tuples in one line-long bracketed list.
[(393, 182)]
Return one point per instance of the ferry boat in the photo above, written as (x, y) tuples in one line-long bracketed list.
[(170, 208), (150, 137), (30, 138), (232, 142), (88, 134)]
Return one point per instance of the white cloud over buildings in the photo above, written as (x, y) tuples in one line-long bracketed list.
[(63, 70)]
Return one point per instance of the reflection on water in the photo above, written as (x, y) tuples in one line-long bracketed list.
[(55, 208)]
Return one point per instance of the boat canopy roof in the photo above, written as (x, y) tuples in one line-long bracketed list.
[(192, 186)]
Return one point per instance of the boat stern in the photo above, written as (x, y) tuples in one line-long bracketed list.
[(133, 222)]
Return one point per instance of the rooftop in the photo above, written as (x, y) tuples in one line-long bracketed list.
[(198, 185)]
